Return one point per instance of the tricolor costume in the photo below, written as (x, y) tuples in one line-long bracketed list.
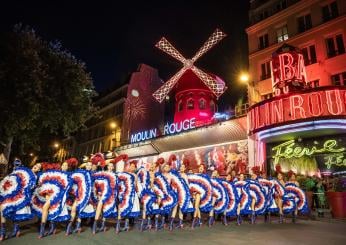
[(64, 193)]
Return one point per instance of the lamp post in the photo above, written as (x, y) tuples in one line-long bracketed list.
[(244, 78)]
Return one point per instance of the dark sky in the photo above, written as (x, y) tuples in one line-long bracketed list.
[(113, 38)]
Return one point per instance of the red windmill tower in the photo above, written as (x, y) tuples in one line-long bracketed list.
[(196, 91)]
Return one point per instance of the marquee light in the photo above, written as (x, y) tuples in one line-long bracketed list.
[(217, 88), (288, 150), (301, 127), (323, 103)]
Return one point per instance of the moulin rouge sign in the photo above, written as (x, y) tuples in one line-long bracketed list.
[(292, 101), (168, 129)]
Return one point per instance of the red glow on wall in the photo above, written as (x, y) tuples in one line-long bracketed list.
[(313, 103)]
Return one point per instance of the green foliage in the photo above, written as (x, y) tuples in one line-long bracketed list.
[(43, 89)]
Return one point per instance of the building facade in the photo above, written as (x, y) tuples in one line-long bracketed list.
[(317, 27), (302, 130), (119, 113)]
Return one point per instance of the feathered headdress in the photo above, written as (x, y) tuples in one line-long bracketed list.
[(160, 161), (72, 162), (133, 162), (50, 166), (278, 169), (256, 170), (122, 157), (171, 159), (186, 162), (98, 159)]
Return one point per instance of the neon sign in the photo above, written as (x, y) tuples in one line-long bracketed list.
[(317, 103), (287, 70), (338, 160), (289, 149), (168, 129)]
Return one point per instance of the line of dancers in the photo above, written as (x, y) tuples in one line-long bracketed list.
[(100, 190)]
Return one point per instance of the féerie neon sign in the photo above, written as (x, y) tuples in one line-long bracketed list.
[(289, 149)]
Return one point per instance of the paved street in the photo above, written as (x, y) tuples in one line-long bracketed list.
[(304, 232)]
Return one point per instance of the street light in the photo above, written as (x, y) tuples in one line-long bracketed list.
[(31, 154), (56, 145), (244, 77), (112, 125)]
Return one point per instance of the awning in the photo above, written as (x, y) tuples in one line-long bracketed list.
[(222, 132)]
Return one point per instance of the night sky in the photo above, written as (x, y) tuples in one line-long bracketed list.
[(113, 38)]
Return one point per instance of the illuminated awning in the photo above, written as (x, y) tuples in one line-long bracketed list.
[(227, 131)]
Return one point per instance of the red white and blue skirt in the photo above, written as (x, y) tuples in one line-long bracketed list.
[(200, 183), (52, 186)]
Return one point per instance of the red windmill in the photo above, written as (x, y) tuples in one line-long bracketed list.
[(196, 91)]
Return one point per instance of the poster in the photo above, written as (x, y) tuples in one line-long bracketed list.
[(224, 158)]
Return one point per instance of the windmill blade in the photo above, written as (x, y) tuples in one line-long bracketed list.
[(216, 37), (162, 92), (168, 48), (217, 88)]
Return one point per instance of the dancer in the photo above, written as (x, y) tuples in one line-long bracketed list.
[(79, 195), (50, 195), (15, 203), (257, 194), (126, 189), (202, 193), (180, 185), (168, 198), (293, 191), (104, 193), (220, 198), (149, 200), (279, 191), (244, 200)]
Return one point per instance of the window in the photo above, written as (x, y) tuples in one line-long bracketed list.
[(304, 23), (267, 96), (265, 71), (335, 46), (330, 11), (282, 34), (180, 106), (309, 54), (190, 104), (212, 106), (202, 104), (339, 79), (315, 83), (263, 41)]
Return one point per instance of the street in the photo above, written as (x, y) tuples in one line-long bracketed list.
[(304, 232)]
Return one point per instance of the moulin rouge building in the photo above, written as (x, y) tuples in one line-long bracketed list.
[(297, 97), (297, 93)]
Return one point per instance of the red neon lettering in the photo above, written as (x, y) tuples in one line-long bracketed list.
[(277, 112), (267, 113), (301, 68), (259, 124), (296, 103), (287, 70), (315, 104), (337, 101)]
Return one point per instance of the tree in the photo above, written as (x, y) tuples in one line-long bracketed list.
[(43, 89)]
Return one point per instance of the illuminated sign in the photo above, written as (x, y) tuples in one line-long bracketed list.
[(338, 160), (168, 129), (287, 71), (317, 103), (289, 149)]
